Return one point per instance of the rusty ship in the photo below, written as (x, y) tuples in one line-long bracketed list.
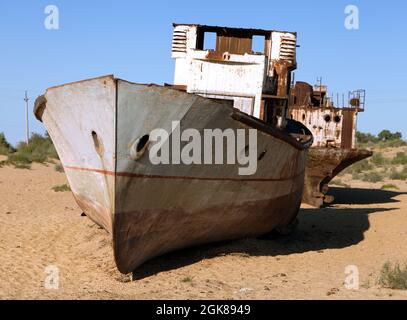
[(334, 130), (102, 129)]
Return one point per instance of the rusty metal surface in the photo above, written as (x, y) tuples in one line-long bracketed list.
[(334, 131), (323, 164), (301, 94), (39, 107), (348, 128), (330, 125), (327, 124), (233, 44), (282, 69)]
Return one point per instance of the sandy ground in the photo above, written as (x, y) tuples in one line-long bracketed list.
[(39, 227)]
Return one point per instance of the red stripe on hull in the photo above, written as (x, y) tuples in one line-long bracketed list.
[(137, 175)]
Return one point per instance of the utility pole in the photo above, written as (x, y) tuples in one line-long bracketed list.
[(26, 117)]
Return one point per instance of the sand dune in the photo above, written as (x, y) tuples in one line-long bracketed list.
[(40, 227)]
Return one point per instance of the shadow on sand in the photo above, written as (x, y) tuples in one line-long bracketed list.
[(363, 196), (319, 229)]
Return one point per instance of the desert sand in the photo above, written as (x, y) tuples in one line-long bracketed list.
[(39, 227)]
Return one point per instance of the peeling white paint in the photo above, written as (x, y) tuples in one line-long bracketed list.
[(241, 78)]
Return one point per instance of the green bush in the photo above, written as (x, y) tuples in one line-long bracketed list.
[(39, 149), (398, 175), (386, 135), (187, 280), (389, 187), (385, 139), (22, 165), (356, 176), (372, 177), (365, 137), (360, 167), (5, 147), (393, 144), (378, 159), (61, 188), (20, 158), (59, 168), (393, 277), (400, 158)]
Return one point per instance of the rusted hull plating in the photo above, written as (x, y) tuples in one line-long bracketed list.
[(153, 209), (323, 164)]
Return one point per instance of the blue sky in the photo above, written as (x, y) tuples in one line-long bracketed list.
[(132, 39)]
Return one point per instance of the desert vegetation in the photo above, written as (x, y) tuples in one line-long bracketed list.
[(393, 276), (5, 147), (39, 149), (389, 161), (59, 168), (389, 186), (385, 139), (61, 188)]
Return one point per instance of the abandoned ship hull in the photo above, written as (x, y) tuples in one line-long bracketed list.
[(323, 164), (153, 209)]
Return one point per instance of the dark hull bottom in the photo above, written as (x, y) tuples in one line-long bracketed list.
[(323, 165), (175, 229)]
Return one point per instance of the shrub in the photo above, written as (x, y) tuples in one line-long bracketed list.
[(39, 149), (389, 187), (398, 175), (186, 280), (22, 165), (365, 137), (393, 277), (378, 159), (361, 166), (58, 168), (18, 158), (356, 176), (61, 188), (5, 147), (372, 177), (386, 135), (400, 158), (393, 144), (385, 139)]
